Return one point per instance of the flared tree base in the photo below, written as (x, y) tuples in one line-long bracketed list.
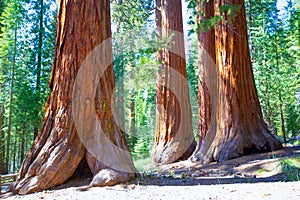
[(233, 146)]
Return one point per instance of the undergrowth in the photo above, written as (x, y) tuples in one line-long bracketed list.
[(291, 167)]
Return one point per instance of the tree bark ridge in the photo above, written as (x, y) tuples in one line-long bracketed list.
[(174, 135), (58, 149), (236, 126)]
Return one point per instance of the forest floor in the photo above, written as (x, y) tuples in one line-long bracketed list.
[(260, 176)]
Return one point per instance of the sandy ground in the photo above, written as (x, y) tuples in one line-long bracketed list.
[(257, 176), (277, 190)]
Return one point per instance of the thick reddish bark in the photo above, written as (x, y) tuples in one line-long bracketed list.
[(236, 124), (58, 149), (174, 137), (206, 61)]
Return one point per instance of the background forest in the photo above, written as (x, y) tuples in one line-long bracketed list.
[(27, 41)]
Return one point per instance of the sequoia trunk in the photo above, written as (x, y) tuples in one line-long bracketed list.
[(174, 137), (63, 142), (206, 61), (236, 124)]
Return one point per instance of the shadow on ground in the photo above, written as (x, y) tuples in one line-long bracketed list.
[(256, 168), (263, 167)]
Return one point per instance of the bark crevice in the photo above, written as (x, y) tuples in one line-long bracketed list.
[(236, 126), (174, 135), (59, 151)]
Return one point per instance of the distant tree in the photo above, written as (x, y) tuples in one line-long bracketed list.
[(275, 57), (130, 18), (10, 21), (2, 111), (290, 64), (40, 40), (2, 143), (261, 17)]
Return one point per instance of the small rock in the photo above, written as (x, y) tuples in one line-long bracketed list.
[(109, 177)]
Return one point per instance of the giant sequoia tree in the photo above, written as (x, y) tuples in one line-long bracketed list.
[(174, 136), (235, 125), (82, 87), (206, 60)]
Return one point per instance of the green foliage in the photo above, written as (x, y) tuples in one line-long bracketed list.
[(134, 61), (261, 171), (20, 26), (10, 27), (192, 75), (141, 149), (275, 50), (291, 167), (143, 165), (275, 56), (230, 10), (207, 24)]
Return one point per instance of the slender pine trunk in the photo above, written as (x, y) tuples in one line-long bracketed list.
[(283, 130), (11, 96), (14, 165), (39, 66), (2, 144), (132, 115), (22, 146)]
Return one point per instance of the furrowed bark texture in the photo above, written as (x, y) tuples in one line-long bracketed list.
[(174, 137), (236, 127), (58, 150), (206, 61)]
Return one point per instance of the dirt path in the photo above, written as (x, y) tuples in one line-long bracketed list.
[(277, 190), (258, 176)]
